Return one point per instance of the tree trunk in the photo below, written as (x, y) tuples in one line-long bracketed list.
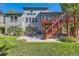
[(75, 26)]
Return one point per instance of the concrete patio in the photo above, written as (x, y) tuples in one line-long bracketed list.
[(37, 39)]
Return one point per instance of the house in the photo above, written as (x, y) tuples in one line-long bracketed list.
[(12, 21), (2, 23), (29, 20), (1, 20)]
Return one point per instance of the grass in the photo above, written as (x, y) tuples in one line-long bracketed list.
[(45, 49), (22, 48), (8, 40)]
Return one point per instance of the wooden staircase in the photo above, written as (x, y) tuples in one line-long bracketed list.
[(52, 27)]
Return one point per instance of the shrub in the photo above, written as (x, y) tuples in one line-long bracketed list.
[(3, 50), (2, 29), (72, 31), (10, 30), (71, 39), (6, 43), (63, 39), (16, 31), (19, 31)]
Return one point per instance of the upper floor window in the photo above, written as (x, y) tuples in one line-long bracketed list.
[(35, 19), (34, 13), (15, 18), (11, 18), (28, 13), (47, 19), (30, 19), (31, 11), (26, 19)]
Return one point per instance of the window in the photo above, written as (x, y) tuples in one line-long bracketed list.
[(26, 19), (34, 13), (11, 18), (26, 28), (46, 18), (15, 18), (35, 19), (35, 28), (31, 11), (28, 13), (29, 19)]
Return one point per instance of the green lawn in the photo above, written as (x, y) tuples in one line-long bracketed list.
[(21, 48)]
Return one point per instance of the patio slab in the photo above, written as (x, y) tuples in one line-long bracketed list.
[(37, 39)]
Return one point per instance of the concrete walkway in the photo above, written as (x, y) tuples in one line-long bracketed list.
[(37, 39)]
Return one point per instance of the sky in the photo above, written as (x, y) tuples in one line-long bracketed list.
[(18, 7)]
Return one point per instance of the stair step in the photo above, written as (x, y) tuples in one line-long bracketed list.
[(50, 32)]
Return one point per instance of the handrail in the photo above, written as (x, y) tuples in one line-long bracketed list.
[(54, 30), (62, 16), (49, 31), (50, 27)]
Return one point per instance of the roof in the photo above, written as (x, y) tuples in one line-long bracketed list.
[(18, 14), (35, 8), (51, 12)]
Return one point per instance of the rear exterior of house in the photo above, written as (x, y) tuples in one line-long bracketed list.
[(12, 21), (29, 20), (32, 19)]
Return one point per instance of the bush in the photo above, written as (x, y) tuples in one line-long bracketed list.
[(6, 43), (19, 31), (10, 30), (16, 31), (3, 50), (2, 30), (63, 39), (71, 39)]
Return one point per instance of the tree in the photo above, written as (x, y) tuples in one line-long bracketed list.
[(72, 7), (10, 11)]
